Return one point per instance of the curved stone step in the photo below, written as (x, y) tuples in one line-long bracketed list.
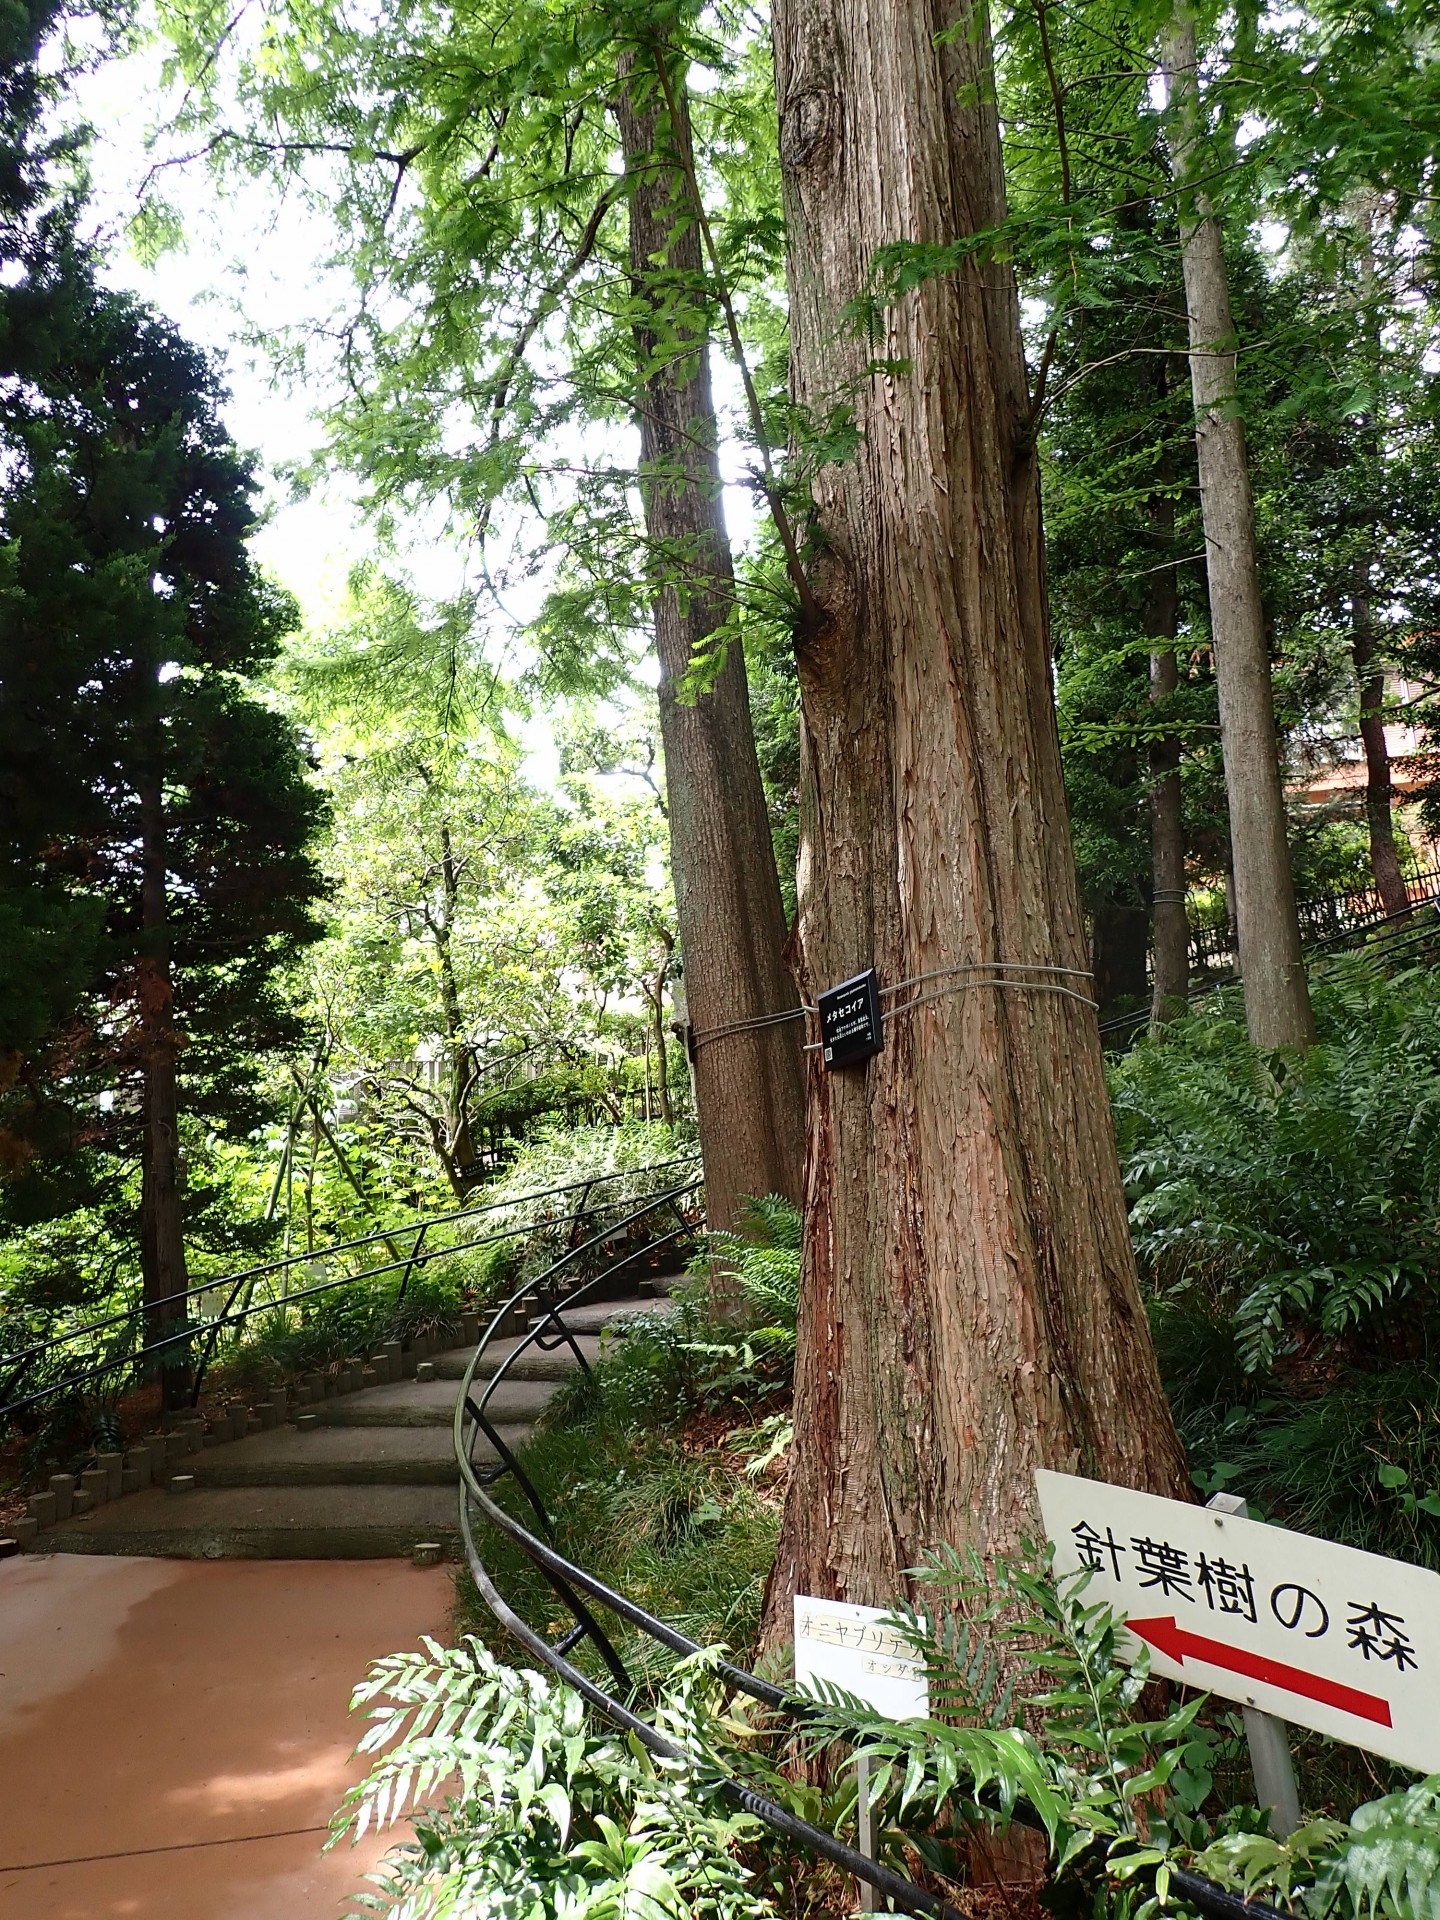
[(267, 1523), (534, 1363), (431, 1403), (339, 1456)]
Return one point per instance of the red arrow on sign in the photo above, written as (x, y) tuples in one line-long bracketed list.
[(1176, 1641)]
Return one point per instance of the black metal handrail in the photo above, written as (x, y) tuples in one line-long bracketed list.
[(575, 1586), (420, 1227), (1324, 918), (193, 1332), (1402, 942)]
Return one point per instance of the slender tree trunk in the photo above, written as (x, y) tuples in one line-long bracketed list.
[(310, 1172), (1379, 791), (656, 997), (1370, 672), (1277, 998), (969, 1309), (459, 1147), (1167, 835), (749, 1086), (162, 1238)]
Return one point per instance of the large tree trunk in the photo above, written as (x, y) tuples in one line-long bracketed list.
[(162, 1241), (749, 1086), (1171, 980), (1379, 791), (1277, 998), (970, 1309)]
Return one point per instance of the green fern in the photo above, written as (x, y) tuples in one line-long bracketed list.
[(764, 1256), (1302, 1198), (1383, 1865), (544, 1814)]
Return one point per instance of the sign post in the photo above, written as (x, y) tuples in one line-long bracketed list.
[(1327, 1637), (854, 1648), (1270, 1760)]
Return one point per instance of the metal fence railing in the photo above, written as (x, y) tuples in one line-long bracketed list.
[(1420, 931), (182, 1333), (1324, 920)]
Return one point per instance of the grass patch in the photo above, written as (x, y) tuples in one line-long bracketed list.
[(663, 1473), (669, 1517)]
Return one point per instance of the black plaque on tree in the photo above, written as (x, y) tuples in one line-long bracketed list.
[(850, 1029)]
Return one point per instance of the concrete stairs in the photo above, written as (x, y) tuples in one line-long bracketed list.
[(365, 1474)]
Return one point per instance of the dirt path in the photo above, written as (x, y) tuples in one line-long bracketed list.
[(174, 1734)]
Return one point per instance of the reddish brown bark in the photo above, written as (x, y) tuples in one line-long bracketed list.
[(970, 1308), (162, 1239), (749, 1088)]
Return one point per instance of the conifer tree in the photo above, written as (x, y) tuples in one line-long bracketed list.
[(147, 788), (517, 303), (970, 1308)]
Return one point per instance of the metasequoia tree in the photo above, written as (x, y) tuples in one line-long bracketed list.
[(749, 1093), (519, 296), (1277, 998), (970, 1308)]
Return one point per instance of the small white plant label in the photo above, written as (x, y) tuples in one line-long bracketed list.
[(858, 1649)]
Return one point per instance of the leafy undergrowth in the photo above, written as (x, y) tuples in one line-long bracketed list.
[(537, 1808), (677, 1521), (1286, 1214)]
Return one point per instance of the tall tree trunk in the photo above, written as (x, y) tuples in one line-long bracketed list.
[(969, 1309), (749, 1086), (162, 1240), (1379, 791), (1277, 998), (1365, 211), (1167, 834)]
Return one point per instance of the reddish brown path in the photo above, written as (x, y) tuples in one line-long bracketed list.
[(174, 1734)]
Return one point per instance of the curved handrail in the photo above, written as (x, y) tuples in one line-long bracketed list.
[(419, 1227), (570, 1581), (563, 1574), (231, 1316), (1403, 942)]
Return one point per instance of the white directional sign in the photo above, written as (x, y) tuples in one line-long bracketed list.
[(851, 1647), (1325, 1636)]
